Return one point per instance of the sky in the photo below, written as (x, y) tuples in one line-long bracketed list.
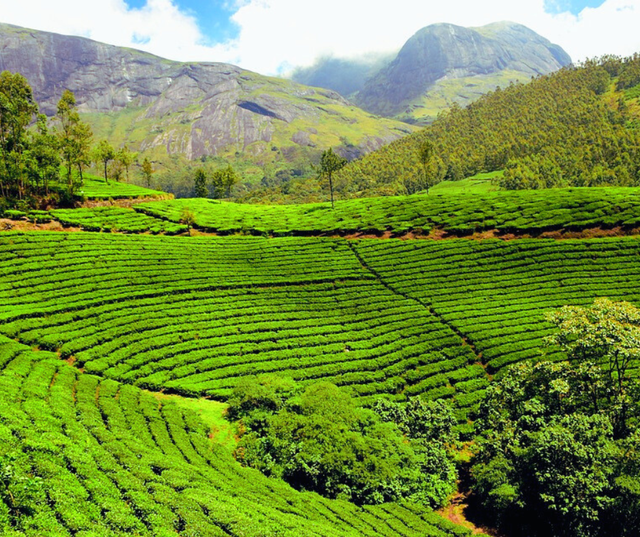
[(274, 36)]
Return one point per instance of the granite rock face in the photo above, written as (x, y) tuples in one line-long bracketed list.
[(200, 109), (446, 51)]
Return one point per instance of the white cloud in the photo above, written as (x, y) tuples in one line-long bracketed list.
[(159, 27), (277, 34)]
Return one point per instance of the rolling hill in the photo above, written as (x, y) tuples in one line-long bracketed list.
[(118, 351)]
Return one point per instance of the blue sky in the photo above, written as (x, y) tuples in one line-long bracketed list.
[(571, 6), (272, 36), (213, 17)]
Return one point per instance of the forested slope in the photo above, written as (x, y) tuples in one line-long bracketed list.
[(576, 127)]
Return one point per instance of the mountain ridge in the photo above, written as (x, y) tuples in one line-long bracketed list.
[(191, 110), (446, 51)]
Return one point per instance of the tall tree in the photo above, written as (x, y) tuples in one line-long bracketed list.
[(17, 109), (330, 163), (104, 153), (147, 171), (223, 181), (126, 159), (425, 154), (44, 155), (200, 180), (607, 333), (74, 137)]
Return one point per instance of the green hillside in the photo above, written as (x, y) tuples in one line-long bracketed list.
[(575, 127), (115, 461), (113, 347), (115, 219), (445, 209)]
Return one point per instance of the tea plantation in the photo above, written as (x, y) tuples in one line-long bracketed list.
[(92, 323), (531, 211), (115, 219), (117, 462), (95, 188)]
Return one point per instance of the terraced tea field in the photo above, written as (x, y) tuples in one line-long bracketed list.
[(94, 188), (392, 318), (495, 292), (194, 316), (117, 462), (115, 219), (531, 211), (94, 317)]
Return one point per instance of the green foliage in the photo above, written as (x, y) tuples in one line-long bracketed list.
[(95, 188), (607, 333), (320, 441), (110, 459), (44, 156), (103, 153), (557, 130), (200, 183), (115, 219), (147, 171), (74, 140), (17, 494), (330, 163), (222, 181), (17, 109), (456, 212), (556, 455), (187, 217), (428, 178)]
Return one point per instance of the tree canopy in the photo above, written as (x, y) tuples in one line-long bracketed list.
[(318, 439), (560, 441)]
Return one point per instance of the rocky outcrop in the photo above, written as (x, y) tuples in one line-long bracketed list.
[(193, 109), (446, 51)]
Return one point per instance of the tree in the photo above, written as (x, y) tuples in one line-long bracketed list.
[(17, 109), (331, 163), (558, 453), (147, 171), (319, 439), (425, 154), (187, 217), (125, 158), (104, 153), (222, 181), (608, 334), (44, 156), (74, 137), (200, 180)]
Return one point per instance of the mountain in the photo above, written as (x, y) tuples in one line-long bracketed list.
[(575, 127), (176, 111), (440, 65)]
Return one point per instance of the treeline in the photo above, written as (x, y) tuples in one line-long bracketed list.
[(42, 158)]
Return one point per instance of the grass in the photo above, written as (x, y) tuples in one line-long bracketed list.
[(478, 184), (212, 413)]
